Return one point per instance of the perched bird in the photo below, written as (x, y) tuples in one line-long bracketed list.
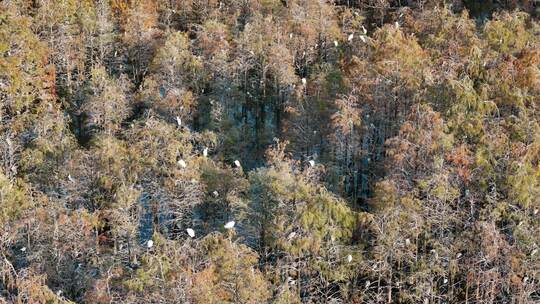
[(349, 258), (293, 234), (445, 280), (229, 225), (396, 24), (178, 121), (190, 232), (368, 283), (150, 244), (215, 194), (534, 252), (237, 163), (205, 152), (364, 30), (363, 38), (290, 35), (407, 242), (23, 249), (304, 81), (458, 255), (336, 44), (535, 212), (71, 178), (312, 163), (351, 37), (182, 163)]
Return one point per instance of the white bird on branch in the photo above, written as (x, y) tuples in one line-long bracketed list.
[(351, 37), (178, 121), (191, 232), (205, 152), (237, 163), (150, 244), (182, 163), (229, 225)]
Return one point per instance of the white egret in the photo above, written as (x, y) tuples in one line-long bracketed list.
[(304, 81), (364, 30), (351, 37), (396, 24), (150, 244), (23, 249), (336, 44), (215, 194), (229, 225), (293, 234), (312, 163), (71, 178), (178, 121), (205, 152), (182, 163), (237, 163), (363, 38), (191, 232), (290, 35), (349, 258), (535, 211), (534, 252), (445, 280), (368, 283), (407, 242), (458, 255)]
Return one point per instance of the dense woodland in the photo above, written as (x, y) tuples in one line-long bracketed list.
[(368, 151)]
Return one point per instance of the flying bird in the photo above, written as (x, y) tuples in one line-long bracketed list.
[(229, 225), (191, 232), (150, 244)]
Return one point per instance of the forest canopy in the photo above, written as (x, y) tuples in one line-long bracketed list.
[(269, 151)]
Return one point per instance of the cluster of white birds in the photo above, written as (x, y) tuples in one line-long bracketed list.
[(150, 243)]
